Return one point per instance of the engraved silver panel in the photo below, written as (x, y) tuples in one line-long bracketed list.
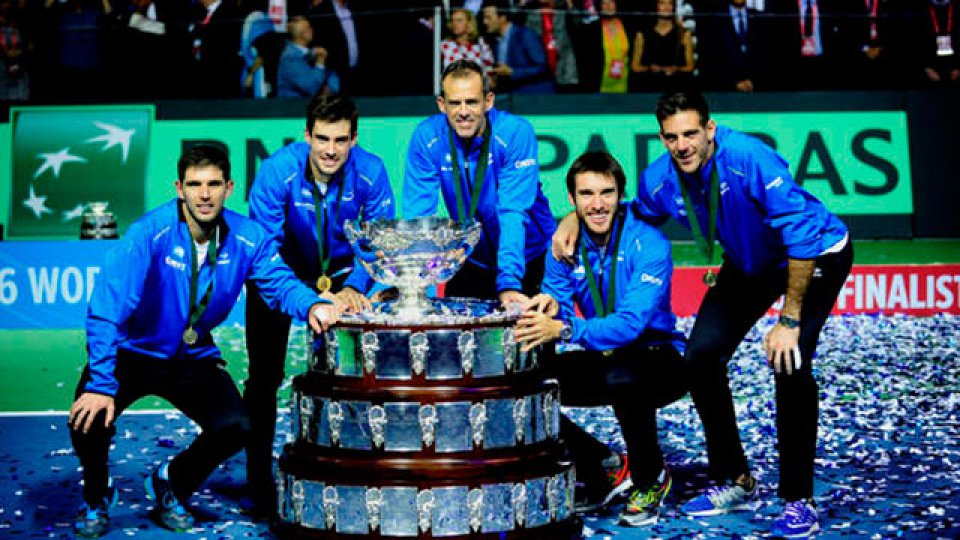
[(538, 509), (394, 363), (498, 507), (323, 428), (500, 429), (355, 432), (399, 514), (403, 427), (443, 358), (453, 431), (352, 510), (451, 517), (312, 515), (489, 355)]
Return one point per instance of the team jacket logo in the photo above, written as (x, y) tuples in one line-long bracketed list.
[(178, 252)]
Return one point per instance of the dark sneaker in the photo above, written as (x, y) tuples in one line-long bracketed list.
[(798, 520), (169, 512), (722, 499), (618, 483), (92, 522), (643, 505)]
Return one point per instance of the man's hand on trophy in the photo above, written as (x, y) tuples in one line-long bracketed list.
[(322, 316), (353, 301), (513, 300), (543, 303), (534, 329)]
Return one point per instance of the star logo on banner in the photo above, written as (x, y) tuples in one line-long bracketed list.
[(55, 160), (73, 214), (114, 136), (37, 204)]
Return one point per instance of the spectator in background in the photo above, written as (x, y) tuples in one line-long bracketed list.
[(77, 29), (521, 59), (465, 42), (616, 50), (14, 77), (214, 34), (939, 41), (731, 48), (549, 19), (253, 80), (145, 34), (302, 71), (339, 30), (662, 52)]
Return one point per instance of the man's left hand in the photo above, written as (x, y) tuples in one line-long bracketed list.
[(783, 351), (535, 328), (323, 315), (513, 297)]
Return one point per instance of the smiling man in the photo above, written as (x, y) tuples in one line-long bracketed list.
[(302, 196), (172, 278), (484, 162), (777, 239), (620, 281)]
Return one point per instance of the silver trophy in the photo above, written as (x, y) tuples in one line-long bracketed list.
[(412, 254)]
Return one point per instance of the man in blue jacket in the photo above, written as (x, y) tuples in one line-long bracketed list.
[(302, 196), (164, 287), (777, 240), (502, 190), (630, 353), (522, 66)]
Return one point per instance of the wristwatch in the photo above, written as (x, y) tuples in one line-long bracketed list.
[(788, 321), (566, 332)]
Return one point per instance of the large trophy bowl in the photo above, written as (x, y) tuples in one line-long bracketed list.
[(412, 254)]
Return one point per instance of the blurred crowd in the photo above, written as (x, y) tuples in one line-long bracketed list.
[(133, 50)]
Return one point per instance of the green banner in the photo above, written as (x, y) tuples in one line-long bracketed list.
[(856, 162), (64, 158)]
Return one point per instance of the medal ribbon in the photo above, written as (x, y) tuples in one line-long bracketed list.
[(706, 244), (598, 304), (320, 214), (196, 310), (477, 179), (936, 21)]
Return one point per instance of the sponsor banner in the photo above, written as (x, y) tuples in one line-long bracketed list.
[(64, 158), (47, 285), (918, 290)]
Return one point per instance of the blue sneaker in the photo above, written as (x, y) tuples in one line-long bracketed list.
[(92, 522), (722, 499), (169, 512), (798, 520)]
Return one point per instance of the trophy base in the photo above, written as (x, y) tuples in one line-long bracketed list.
[(571, 529)]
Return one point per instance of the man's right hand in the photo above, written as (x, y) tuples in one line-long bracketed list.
[(86, 408), (565, 239)]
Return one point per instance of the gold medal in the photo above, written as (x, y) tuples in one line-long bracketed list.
[(324, 283), (710, 278), (608, 352), (190, 336)]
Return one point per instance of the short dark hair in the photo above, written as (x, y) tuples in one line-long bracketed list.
[(464, 68), (596, 161), (203, 155), (332, 109), (672, 103)]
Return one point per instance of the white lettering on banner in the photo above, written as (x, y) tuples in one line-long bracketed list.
[(71, 276), (8, 287), (901, 292), (92, 272), (44, 282), (72, 284)]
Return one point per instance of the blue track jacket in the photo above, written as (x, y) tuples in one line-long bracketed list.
[(281, 200), (141, 300), (511, 200), (644, 271), (764, 216)]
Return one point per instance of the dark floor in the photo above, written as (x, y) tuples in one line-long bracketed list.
[(888, 466)]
